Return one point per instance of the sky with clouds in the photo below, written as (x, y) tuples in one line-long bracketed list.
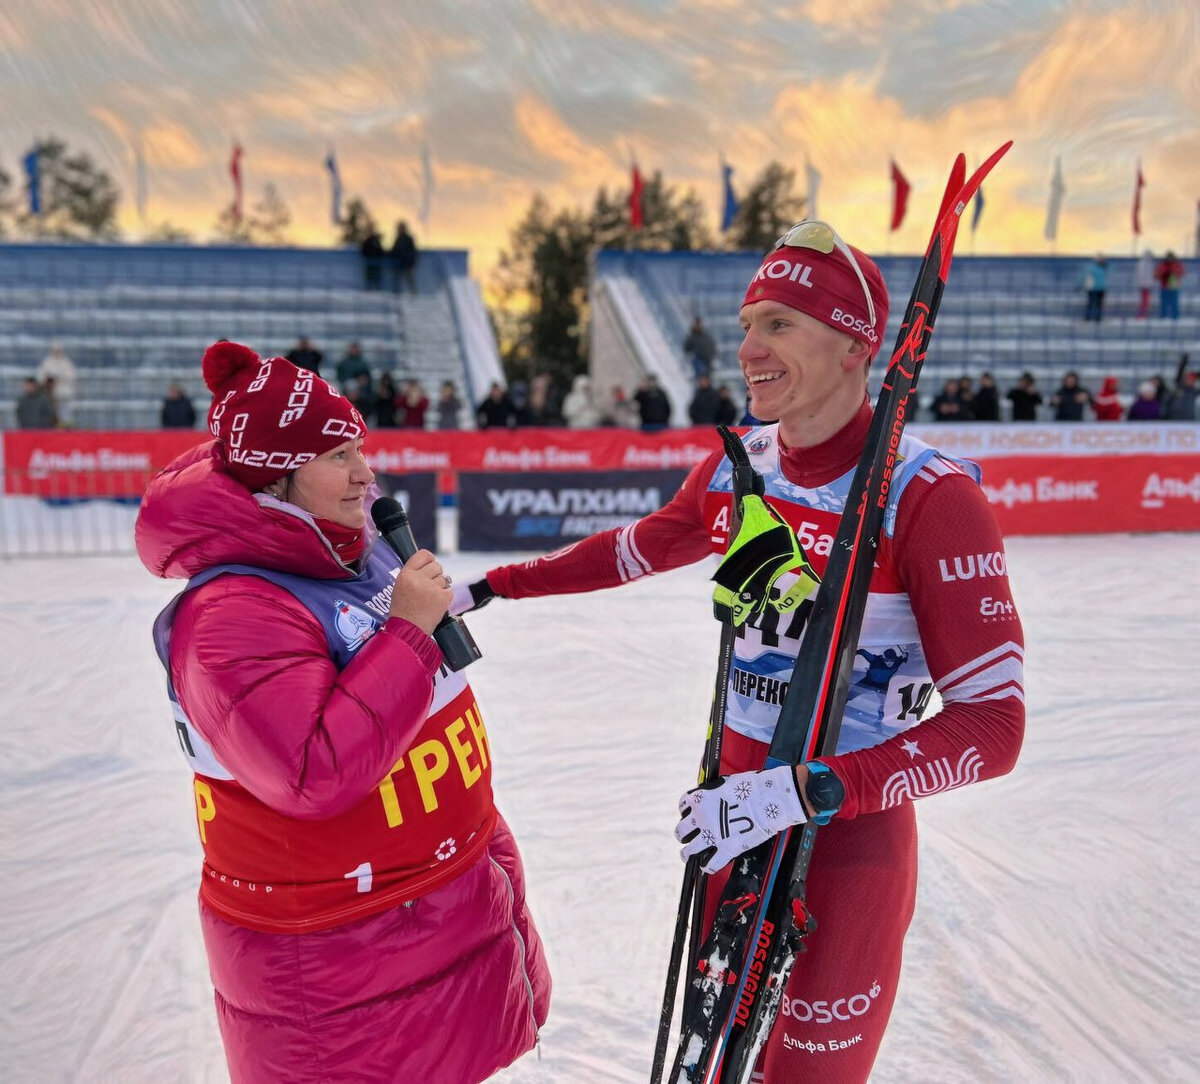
[(556, 95)]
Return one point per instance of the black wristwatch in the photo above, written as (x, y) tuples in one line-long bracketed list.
[(824, 792)]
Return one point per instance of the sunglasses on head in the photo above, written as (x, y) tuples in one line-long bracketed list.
[(822, 237)]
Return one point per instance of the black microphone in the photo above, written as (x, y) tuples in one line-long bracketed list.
[(451, 635)]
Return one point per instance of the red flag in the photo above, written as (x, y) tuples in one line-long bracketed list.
[(900, 191), (1137, 200), (635, 199), (235, 171)]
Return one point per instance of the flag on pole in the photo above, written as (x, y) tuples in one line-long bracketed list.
[(335, 181), (635, 198), (142, 186), (426, 204), (978, 209), (730, 207), (1138, 185), (900, 191), (814, 184), (1057, 191), (32, 164), (235, 171)]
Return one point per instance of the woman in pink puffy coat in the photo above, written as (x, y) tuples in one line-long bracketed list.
[(362, 901)]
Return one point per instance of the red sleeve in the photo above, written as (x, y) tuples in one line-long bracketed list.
[(673, 536), (949, 556), (252, 670)]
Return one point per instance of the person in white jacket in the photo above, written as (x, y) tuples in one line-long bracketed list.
[(579, 407), (57, 366)]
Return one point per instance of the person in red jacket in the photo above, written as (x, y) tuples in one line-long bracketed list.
[(362, 900), (1107, 404), (414, 404), (1169, 273), (940, 616)]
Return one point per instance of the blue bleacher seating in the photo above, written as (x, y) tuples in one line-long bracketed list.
[(1004, 314), (135, 317)]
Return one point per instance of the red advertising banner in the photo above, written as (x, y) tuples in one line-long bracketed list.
[(1093, 495), (1041, 479), (55, 463), (78, 464)]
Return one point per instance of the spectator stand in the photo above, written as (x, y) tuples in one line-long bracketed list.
[(630, 337), (481, 356), (135, 317), (1003, 314)]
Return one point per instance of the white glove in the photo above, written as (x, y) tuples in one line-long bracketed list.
[(466, 597), (743, 810)]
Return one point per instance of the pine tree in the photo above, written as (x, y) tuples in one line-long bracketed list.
[(167, 233), (357, 223), (671, 221), (270, 218), (541, 279), (232, 228), (78, 199), (769, 207), (543, 275)]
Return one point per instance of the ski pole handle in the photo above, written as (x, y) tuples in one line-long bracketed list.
[(451, 635)]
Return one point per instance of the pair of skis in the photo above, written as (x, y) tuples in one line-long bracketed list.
[(761, 549), (742, 968)]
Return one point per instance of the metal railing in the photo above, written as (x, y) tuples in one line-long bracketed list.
[(62, 520)]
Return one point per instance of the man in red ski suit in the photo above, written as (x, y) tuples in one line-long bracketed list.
[(940, 615)]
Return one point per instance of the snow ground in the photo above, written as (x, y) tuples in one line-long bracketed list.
[(1054, 937)]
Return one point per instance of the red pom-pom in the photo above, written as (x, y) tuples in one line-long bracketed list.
[(224, 360)]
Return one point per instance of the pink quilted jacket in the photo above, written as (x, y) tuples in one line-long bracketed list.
[(447, 988)]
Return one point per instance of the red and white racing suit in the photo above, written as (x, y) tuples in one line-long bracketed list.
[(940, 614)]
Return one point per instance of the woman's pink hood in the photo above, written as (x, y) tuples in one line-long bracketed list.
[(195, 516)]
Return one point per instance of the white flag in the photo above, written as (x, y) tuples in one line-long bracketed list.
[(814, 183), (426, 185), (1057, 191)]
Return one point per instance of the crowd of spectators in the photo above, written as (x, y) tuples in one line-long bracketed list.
[(394, 401), (1072, 401), (537, 403), (392, 268), (1166, 273), (47, 399), (961, 400)]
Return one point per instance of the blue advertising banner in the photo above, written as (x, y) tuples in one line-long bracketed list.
[(543, 510), (417, 493)]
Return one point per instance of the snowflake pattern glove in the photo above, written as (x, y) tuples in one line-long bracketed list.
[(736, 814)]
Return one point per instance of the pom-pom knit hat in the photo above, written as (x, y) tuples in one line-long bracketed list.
[(269, 416)]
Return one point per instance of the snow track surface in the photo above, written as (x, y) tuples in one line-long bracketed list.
[(1053, 940)]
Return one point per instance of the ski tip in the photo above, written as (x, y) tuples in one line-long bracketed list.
[(978, 176), (956, 203), (958, 174)]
